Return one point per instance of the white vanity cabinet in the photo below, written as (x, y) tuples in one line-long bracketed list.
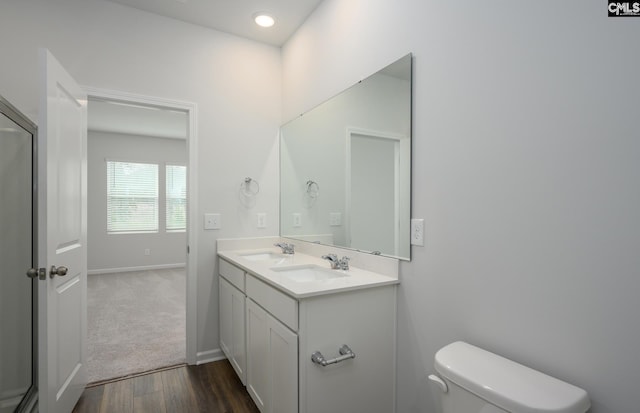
[(261, 348), (272, 347), (365, 321), (232, 317), (272, 362), (232, 326), (282, 332)]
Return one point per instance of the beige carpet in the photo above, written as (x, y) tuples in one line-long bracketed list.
[(135, 322)]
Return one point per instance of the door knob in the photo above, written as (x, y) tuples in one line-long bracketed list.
[(35, 272), (61, 271)]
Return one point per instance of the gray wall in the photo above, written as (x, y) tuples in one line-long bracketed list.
[(236, 84), (525, 168), (126, 251)]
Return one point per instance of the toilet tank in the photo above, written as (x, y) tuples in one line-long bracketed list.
[(506, 384)]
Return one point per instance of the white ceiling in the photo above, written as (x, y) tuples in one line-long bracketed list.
[(234, 16)]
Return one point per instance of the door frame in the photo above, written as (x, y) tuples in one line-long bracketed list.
[(191, 109), (400, 148)]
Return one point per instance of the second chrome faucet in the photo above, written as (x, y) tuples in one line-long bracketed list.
[(337, 264)]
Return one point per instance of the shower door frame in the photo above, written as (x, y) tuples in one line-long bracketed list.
[(30, 398)]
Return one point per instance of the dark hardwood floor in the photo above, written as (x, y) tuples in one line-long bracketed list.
[(212, 388)]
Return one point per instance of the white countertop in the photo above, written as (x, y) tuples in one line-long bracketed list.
[(353, 279)]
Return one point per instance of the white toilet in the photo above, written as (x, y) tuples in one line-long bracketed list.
[(473, 380)]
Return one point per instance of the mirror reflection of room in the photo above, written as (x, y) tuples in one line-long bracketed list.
[(364, 134)]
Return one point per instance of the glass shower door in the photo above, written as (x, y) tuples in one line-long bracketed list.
[(16, 257)]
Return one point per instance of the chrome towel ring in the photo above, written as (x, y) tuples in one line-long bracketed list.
[(250, 187)]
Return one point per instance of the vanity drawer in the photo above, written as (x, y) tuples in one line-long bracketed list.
[(283, 307), (232, 274)]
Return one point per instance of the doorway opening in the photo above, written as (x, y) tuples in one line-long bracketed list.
[(373, 166), (141, 233)]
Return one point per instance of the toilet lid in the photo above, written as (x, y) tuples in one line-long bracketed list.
[(507, 384)]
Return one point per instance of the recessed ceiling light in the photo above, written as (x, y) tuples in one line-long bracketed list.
[(263, 19)]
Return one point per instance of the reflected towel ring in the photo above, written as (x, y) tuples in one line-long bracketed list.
[(313, 189), (250, 187)]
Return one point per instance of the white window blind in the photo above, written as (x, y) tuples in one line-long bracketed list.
[(176, 202), (132, 197)]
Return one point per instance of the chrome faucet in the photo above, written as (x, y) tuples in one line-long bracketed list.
[(286, 247), (333, 260), (337, 264)]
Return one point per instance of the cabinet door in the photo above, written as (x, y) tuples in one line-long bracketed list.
[(283, 368), (232, 326), (257, 350), (365, 320), (272, 362)]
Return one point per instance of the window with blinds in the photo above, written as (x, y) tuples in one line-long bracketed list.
[(176, 198), (132, 197)]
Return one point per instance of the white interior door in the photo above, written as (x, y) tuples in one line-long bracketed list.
[(62, 235), (373, 179)]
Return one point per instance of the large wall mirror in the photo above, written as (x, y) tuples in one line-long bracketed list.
[(345, 167)]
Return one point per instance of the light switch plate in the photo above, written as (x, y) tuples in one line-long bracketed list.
[(211, 221), (262, 220), (417, 232)]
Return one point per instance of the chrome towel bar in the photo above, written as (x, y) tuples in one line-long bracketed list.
[(345, 351)]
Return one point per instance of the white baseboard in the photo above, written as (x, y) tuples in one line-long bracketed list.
[(141, 268), (209, 356)]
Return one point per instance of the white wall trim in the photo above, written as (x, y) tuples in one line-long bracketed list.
[(209, 356), (139, 268), (192, 230)]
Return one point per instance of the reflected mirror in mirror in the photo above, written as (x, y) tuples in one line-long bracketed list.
[(345, 167)]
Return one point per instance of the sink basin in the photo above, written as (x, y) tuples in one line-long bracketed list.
[(309, 273), (262, 256)]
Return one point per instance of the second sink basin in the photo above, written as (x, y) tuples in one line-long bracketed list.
[(262, 256), (308, 273)]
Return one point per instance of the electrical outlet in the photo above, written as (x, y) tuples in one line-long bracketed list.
[(262, 220), (297, 220), (417, 232), (335, 219), (147, 251), (212, 221)]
